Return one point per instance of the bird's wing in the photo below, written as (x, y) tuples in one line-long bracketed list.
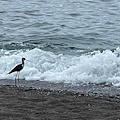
[(16, 68)]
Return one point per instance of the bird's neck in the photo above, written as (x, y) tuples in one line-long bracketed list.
[(23, 62)]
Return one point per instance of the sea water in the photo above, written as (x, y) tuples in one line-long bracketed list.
[(67, 41)]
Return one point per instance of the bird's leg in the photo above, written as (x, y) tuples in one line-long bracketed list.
[(15, 79), (18, 77)]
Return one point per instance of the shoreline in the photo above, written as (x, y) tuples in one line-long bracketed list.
[(101, 89), (28, 103)]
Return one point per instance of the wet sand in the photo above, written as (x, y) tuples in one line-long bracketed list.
[(26, 103)]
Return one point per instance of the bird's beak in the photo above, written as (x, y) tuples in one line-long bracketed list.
[(28, 60)]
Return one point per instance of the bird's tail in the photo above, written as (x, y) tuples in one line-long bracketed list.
[(9, 72)]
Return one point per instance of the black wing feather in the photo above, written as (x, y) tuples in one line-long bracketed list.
[(16, 68)]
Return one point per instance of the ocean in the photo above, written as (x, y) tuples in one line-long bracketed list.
[(69, 41)]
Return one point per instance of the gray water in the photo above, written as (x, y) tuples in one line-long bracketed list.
[(60, 26)]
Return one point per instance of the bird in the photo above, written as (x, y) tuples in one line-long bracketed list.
[(17, 69)]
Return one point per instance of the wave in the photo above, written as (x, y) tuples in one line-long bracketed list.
[(56, 48), (95, 67)]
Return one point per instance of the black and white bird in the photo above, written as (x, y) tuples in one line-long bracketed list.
[(17, 69)]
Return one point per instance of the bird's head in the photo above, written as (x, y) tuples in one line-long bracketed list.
[(23, 59)]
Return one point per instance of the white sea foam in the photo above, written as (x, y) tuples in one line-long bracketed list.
[(96, 67)]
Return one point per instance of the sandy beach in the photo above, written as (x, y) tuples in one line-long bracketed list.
[(27, 103)]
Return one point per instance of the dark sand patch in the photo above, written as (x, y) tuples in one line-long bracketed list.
[(20, 103)]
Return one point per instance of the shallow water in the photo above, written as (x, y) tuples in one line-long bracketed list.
[(60, 26)]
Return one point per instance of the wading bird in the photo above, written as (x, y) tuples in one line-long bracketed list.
[(17, 69)]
